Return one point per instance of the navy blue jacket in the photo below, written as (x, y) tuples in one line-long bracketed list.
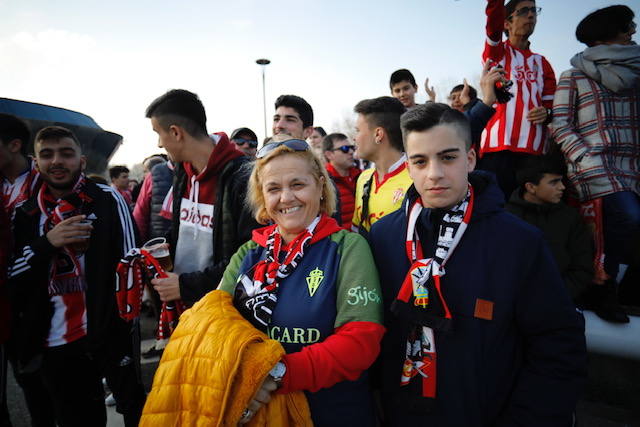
[(523, 367)]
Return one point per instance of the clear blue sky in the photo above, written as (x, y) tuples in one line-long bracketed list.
[(111, 59)]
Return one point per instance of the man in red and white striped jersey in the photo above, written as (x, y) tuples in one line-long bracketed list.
[(518, 127), (62, 288)]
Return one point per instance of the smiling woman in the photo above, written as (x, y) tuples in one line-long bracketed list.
[(309, 285)]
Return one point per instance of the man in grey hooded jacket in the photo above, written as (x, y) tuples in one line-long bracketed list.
[(596, 125)]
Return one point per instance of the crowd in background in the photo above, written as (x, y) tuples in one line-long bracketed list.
[(433, 269)]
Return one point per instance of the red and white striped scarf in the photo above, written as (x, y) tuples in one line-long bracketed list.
[(66, 271), (257, 298), (135, 270), (420, 298), (14, 193)]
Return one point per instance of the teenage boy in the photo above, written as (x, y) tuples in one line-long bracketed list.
[(210, 219), (338, 152), (62, 287), (538, 201), (480, 328), (379, 190), (403, 87), (517, 130)]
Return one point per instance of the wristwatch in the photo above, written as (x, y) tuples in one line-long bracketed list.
[(278, 372)]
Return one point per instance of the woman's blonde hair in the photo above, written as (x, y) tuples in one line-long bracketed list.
[(255, 197)]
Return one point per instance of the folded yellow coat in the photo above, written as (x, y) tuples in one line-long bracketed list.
[(212, 367)]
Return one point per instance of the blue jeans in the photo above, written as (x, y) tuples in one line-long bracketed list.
[(621, 223)]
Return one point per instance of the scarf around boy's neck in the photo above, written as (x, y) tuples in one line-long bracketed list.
[(420, 300), (66, 273)]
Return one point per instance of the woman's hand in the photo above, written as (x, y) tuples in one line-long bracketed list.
[(262, 397)]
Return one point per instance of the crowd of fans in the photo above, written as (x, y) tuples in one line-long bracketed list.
[(433, 271)]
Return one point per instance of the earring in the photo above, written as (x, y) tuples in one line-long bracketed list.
[(378, 142)]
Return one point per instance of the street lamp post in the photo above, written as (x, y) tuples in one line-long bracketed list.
[(263, 63)]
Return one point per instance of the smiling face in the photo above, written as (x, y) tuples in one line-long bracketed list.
[(405, 92), (439, 165), (59, 162), (455, 102), (286, 120), (291, 194)]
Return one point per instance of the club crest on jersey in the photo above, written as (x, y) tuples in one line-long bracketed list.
[(398, 195), (314, 279)]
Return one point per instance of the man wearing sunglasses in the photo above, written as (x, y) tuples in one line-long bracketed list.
[(338, 152), (246, 141), (517, 130)]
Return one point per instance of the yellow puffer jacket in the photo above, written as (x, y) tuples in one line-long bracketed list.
[(212, 367)]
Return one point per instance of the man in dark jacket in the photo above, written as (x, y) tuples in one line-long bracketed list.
[(538, 200), (62, 287), (480, 328), (210, 219)]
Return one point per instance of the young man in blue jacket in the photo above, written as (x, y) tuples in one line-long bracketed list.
[(480, 328)]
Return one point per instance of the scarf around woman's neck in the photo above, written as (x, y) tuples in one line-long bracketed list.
[(257, 296), (66, 272), (420, 300), (615, 66)]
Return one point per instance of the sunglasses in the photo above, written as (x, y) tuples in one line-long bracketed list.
[(525, 11), (242, 141), (345, 149), (294, 144)]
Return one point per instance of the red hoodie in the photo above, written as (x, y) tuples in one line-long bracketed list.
[(346, 192), (195, 243)]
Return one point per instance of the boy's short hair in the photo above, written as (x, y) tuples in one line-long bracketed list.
[(473, 94), (432, 114), (604, 24), (56, 133), (116, 171), (300, 105), (12, 128), (329, 140), (534, 168), (384, 112), (401, 75), (182, 108)]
